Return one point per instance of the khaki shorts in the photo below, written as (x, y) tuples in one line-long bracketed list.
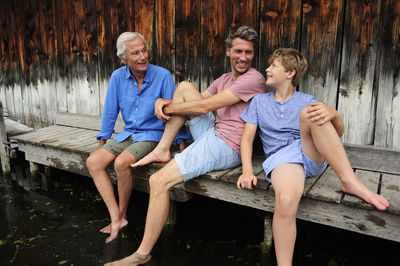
[(137, 149)]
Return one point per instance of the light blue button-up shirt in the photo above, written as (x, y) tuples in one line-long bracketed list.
[(137, 108)]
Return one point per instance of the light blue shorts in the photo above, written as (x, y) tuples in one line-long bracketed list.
[(208, 152), (293, 153)]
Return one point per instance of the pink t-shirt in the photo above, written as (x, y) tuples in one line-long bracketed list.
[(228, 124)]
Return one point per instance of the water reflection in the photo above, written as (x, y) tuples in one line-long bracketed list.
[(61, 227)]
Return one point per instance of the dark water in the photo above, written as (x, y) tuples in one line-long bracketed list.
[(61, 227)]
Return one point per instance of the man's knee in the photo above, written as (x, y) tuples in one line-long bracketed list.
[(94, 163), (158, 183), (122, 164)]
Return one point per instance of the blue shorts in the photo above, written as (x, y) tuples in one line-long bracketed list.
[(208, 152), (293, 153)]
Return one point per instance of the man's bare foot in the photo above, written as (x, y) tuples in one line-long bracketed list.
[(360, 190), (154, 156), (182, 146), (134, 259), (115, 228), (107, 229)]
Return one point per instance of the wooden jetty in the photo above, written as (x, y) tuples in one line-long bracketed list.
[(68, 143)]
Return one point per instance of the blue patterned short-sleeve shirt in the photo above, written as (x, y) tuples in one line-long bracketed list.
[(278, 121)]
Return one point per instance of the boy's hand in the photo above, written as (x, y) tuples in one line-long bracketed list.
[(321, 113), (246, 181)]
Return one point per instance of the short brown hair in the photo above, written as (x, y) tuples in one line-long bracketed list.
[(291, 59), (244, 32)]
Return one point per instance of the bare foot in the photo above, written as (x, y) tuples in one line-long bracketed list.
[(182, 146), (107, 229), (115, 228), (360, 190), (134, 259), (154, 156)]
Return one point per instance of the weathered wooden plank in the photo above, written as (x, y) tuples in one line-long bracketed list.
[(144, 18), (369, 222), (320, 44), (373, 158), (4, 154), (371, 180), (165, 34), (213, 33), (390, 189), (233, 175), (387, 128), (14, 128), (52, 130), (85, 121), (327, 188), (187, 36), (357, 97), (280, 26)]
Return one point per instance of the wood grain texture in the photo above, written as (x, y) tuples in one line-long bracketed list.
[(391, 191), (165, 34), (357, 94), (387, 129), (188, 41), (320, 44), (280, 26)]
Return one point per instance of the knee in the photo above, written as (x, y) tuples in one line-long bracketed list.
[(157, 184), (286, 205), (304, 115), (121, 165), (93, 164)]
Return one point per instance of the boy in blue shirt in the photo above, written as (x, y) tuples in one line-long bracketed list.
[(300, 137)]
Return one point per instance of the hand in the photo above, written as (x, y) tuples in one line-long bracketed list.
[(158, 109), (321, 113), (246, 181)]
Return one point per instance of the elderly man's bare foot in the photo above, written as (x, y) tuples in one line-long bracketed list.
[(115, 228), (360, 190), (132, 260), (107, 229), (155, 156)]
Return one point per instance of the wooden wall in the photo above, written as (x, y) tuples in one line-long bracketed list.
[(57, 56)]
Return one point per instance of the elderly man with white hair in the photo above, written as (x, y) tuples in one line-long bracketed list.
[(133, 90)]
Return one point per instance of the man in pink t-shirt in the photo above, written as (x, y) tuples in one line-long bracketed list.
[(216, 140)]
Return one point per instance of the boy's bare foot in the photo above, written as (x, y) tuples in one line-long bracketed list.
[(115, 228), (134, 259), (155, 156), (360, 190)]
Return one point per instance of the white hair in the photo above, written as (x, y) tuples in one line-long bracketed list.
[(127, 36)]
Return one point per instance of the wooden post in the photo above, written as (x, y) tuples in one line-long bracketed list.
[(4, 150), (266, 245), (34, 175), (171, 220), (46, 184)]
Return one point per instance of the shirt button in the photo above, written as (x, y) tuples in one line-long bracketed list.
[(137, 96), (281, 108), (281, 115), (134, 121), (137, 109)]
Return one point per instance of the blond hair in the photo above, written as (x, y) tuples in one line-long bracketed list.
[(291, 59)]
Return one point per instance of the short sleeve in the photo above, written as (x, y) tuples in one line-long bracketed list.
[(213, 88), (248, 85), (250, 114)]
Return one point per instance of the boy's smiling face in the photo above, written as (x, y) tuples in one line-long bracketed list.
[(277, 74)]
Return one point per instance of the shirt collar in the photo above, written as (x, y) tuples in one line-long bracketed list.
[(147, 77)]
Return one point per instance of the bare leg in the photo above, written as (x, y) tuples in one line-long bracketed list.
[(320, 142), (160, 183), (123, 170), (184, 92), (97, 163), (288, 183)]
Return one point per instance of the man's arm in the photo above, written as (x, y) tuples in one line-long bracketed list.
[(321, 113), (203, 106), (247, 179)]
